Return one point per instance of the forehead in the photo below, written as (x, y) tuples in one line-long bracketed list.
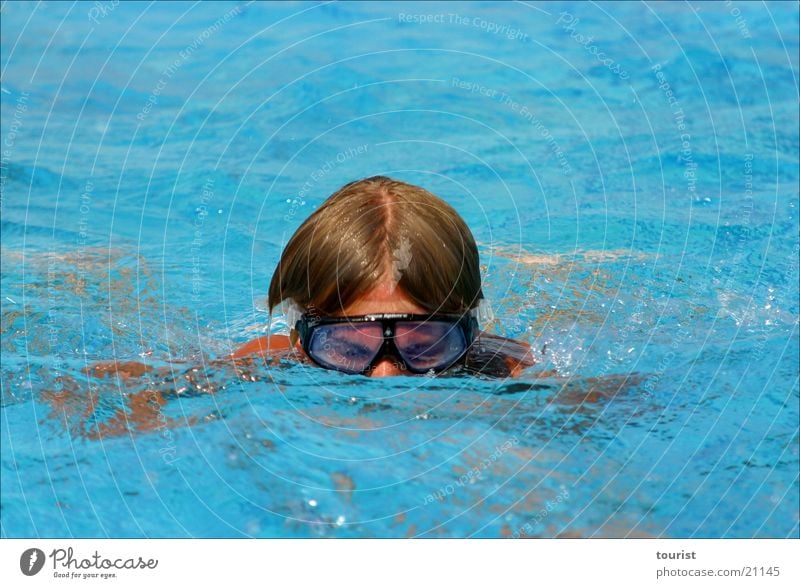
[(383, 298)]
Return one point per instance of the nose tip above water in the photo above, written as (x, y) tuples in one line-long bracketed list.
[(387, 367)]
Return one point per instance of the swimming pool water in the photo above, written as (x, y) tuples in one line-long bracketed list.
[(630, 171)]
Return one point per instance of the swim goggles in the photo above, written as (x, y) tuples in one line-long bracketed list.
[(423, 342)]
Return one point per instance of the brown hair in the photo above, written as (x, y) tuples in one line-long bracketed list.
[(373, 229)]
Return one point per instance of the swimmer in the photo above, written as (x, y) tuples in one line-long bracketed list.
[(384, 280), (377, 252)]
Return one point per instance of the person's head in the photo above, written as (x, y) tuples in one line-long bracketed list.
[(380, 246)]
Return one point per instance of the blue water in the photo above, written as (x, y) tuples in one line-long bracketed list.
[(630, 172)]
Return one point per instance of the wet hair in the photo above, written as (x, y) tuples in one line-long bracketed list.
[(380, 229)]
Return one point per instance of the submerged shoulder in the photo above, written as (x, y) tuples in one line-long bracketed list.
[(263, 346), (497, 356)]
